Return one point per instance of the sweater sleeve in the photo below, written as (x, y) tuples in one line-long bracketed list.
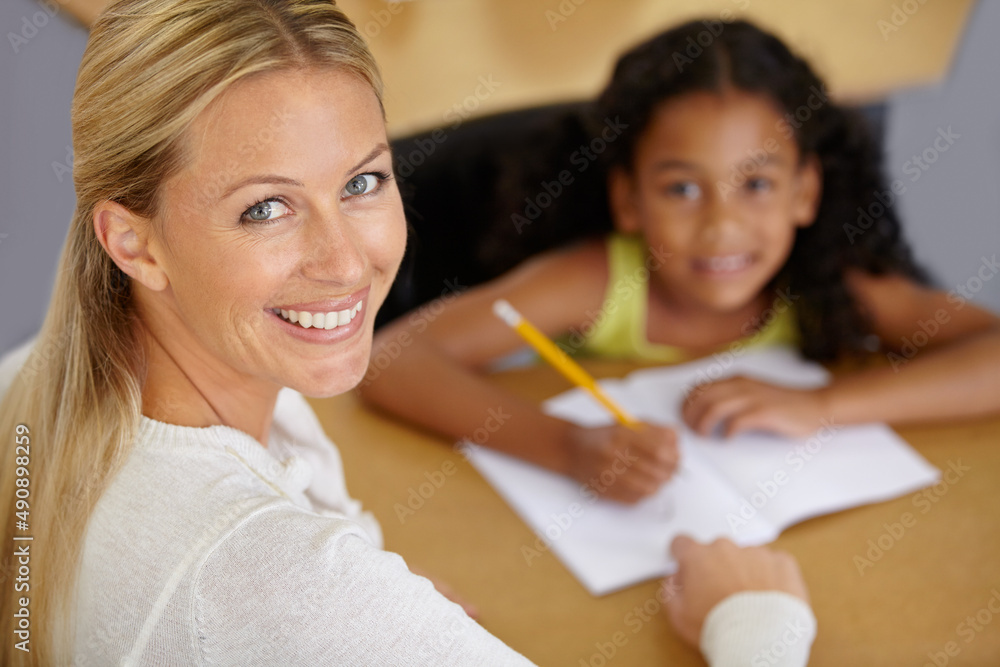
[(759, 629), (293, 589)]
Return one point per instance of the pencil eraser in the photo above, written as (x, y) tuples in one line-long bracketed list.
[(506, 312)]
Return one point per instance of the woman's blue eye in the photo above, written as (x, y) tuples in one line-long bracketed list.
[(266, 210), (361, 184), (687, 190)]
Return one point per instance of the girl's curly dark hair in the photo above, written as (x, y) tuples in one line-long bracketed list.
[(712, 56)]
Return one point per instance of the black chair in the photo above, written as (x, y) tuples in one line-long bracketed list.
[(461, 187)]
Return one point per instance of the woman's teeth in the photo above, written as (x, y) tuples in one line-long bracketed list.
[(330, 320), (726, 263)]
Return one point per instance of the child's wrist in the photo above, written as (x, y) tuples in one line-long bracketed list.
[(564, 445), (832, 404)]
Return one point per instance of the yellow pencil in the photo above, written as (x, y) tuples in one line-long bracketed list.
[(562, 363)]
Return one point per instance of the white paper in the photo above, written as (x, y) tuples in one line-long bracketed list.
[(747, 488)]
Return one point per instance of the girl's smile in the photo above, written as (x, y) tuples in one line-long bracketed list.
[(723, 267)]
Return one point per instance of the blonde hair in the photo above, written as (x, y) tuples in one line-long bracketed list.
[(150, 67)]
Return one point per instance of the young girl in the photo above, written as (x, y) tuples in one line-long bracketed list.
[(734, 188)]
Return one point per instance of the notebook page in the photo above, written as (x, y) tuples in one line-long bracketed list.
[(724, 488)]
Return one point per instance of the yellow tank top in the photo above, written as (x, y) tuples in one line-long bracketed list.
[(618, 330)]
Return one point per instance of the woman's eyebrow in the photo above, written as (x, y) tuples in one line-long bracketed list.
[(274, 178), (375, 152), (263, 178)]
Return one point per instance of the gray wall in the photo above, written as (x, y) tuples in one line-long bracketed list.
[(951, 207), (951, 210), (37, 83)]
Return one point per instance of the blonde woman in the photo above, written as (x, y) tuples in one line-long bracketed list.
[(237, 227)]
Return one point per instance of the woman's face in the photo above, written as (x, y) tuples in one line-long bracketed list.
[(285, 210), (719, 190)]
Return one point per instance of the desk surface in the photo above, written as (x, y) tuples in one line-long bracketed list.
[(914, 599)]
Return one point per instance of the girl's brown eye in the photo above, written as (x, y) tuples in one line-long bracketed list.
[(758, 184), (685, 190)]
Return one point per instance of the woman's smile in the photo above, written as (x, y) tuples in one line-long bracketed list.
[(324, 321)]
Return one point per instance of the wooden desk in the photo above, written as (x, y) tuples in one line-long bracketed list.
[(912, 601)]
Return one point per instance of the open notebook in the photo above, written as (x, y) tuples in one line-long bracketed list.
[(748, 488)]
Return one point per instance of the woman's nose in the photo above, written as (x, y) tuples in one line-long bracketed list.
[(334, 251)]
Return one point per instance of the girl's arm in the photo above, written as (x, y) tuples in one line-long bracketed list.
[(427, 369), (944, 363)]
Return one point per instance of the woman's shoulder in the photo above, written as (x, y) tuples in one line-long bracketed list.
[(326, 597), (158, 588), (276, 586), (177, 479)]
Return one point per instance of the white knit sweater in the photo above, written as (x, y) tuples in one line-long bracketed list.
[(210, 549)]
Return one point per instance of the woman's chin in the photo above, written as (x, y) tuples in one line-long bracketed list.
[(330, 382), (326, 389)]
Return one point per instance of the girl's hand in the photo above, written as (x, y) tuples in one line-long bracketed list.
[(622, 463), (741, 404)]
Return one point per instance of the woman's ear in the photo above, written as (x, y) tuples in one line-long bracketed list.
[(808, 192), (621, 199), (126, 238)]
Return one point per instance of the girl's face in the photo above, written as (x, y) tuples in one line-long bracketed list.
[(286, 203), (718, 191)]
